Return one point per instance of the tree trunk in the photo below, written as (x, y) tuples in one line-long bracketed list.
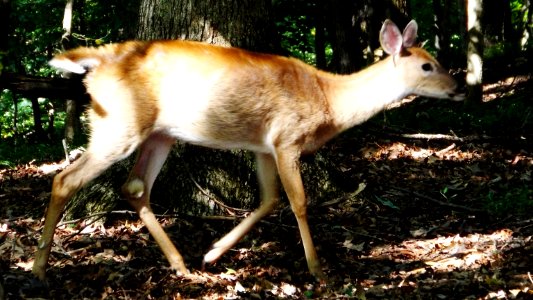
[(15, 114), (511, 39), (37, 118), (72, 120), (194, 177), (5, 9), (67, 25), (345, 36), (320, 35), (244, 24), (403, 6), (474, 76), (72, 115), (528, 27), (51, 119), (442, 30)]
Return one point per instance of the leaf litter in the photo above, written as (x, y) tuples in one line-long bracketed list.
[(413, 223)]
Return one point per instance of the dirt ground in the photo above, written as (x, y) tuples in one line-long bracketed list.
[(420, 223)]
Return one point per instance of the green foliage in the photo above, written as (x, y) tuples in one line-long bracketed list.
[(433, 115), (15, 152), (516, 201), (297, 30), (297, 41), (17, 144), (37, 29), (36, 36)]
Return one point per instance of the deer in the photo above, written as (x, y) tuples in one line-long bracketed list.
[(146, 95)]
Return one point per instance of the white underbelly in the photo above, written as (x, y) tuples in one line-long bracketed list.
[(186, 102)]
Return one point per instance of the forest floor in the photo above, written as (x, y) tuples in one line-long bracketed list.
[(429, 217)]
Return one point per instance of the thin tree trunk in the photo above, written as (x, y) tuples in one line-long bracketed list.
[(5, 10), (67, 24), (442, 29), (37, 118), (403, 6), (474, 76), (528, 27), (72, 122), (51, 118), (345, 36), (511, 39), (320, 35), (15, 114)]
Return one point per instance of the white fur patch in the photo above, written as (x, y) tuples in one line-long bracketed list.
[(78, 67)]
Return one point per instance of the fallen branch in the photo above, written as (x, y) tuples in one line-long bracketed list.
[(429, 136), (99, 215), (447, 137), (442, 203)]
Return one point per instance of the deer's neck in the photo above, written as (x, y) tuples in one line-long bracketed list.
[(357, 97)]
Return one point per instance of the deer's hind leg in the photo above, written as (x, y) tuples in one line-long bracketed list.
[(150, 158)]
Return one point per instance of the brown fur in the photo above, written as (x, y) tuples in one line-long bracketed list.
[(147, 94)]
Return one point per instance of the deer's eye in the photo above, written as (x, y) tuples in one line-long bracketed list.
[(427, 67)]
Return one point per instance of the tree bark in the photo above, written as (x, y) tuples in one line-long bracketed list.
[(245, 24)]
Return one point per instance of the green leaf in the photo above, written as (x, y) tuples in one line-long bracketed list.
[(387, 203)]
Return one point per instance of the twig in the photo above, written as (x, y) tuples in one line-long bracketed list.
[(130, 212), (448, 137), (362, 234), (429, 136), (360, 188), (98, 214), (81, 229), (229, 209), (522, 222), (462, 207), (442, 151)]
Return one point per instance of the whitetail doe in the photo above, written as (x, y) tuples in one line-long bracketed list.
[(147, 95)]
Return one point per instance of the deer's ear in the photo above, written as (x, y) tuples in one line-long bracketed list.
[(390, 38), (409, 34)]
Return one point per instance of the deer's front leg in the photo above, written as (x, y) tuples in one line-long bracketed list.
[(151, 157), (289, 172), (268, 185)]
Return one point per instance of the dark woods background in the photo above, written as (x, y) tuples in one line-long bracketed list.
[(423, 171)]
